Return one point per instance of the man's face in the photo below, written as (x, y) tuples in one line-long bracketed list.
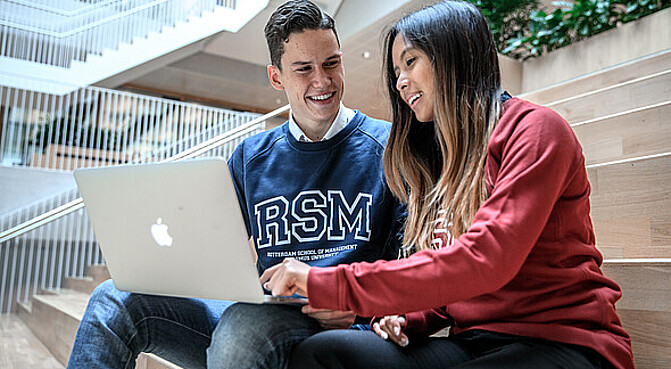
[(312, 76)]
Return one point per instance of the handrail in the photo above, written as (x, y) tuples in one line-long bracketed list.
[(66, 13), (78, 203), (87, 26)]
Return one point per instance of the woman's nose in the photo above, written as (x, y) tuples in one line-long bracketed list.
[(401, 82)]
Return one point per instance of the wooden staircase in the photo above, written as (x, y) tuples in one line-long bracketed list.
[(54, 316), (621, 116)]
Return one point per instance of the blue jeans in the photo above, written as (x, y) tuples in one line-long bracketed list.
[(117, 326), (258, 336)]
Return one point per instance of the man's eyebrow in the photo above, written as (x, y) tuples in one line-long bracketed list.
[(300, 63), (304, 63)]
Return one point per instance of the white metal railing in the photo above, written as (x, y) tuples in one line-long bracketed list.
[(43, 243), (99, 127), (56, 32), (41, 259)]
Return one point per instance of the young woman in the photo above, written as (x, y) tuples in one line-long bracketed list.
[(498, 242)]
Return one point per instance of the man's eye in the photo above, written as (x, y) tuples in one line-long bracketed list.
[(304, 69), (332, 64)]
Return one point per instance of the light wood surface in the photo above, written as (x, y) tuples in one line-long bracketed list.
[(643, 91), (645, 309), (20, 349), (631, 207), (650, 64), (55, 316), (635, 133)]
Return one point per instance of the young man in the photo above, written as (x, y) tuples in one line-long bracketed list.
[(330, 188), (312, 189)]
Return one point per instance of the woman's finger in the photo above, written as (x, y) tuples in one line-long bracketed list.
[(379, 331)]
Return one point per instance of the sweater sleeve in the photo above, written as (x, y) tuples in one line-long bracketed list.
[(236, 166), (538, 158)]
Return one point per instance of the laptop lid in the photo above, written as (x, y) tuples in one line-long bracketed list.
[(172, 229)]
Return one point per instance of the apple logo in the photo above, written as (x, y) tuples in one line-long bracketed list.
[(159, 232)]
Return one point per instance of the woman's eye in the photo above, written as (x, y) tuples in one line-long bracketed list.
[(409, 61)]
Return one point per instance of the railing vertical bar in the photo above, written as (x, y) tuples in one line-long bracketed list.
[(69, 244), (31, 125), (12, 276), (89, 123), (22, 132), (31, 262), (4, 91), (94, 120), (161, 129), (55, 126), (77, 130), (22, 261), (142, 130), (12, 124), (41, 244), (35, 159), (180, 128), (10, 51), (139, 110), (3, 40), (5, 248), (40, 145), (70, 162), (65, 159), (100, 121), (62, 241), (53, 249)]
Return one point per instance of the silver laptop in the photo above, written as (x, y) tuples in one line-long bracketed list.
[(173, 229)]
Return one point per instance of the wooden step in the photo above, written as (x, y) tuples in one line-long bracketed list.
[(631, 207), (644, 91), (99, 273), (634, 133), (616, 74), (19, 348), (96, 275), (80, 284), (54, 318), (645, 307)]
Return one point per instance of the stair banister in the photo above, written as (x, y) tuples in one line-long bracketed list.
[(78, 203)]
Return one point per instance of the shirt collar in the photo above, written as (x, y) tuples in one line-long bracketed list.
[(342, 118)]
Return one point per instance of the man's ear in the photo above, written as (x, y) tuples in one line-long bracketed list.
[(274, 77)]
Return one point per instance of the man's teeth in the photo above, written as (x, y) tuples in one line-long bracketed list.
[(321, 97), (415, 97)]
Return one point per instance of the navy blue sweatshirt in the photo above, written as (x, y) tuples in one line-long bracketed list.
[(324, 203)]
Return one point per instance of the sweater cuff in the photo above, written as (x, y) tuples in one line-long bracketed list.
[(415, 322), (323, 291)]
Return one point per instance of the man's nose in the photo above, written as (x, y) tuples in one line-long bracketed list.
[(321, 78)]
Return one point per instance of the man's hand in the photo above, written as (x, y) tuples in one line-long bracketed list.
[(391, 327), (330, 319), (287, 278)]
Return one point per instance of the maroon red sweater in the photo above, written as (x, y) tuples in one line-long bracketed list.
[(528, 264)]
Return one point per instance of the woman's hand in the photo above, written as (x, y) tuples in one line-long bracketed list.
[(287, 278), (391, 326)]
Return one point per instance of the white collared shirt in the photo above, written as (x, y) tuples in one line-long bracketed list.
[(340, 122)]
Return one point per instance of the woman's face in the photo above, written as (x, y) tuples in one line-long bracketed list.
[(414, 78)]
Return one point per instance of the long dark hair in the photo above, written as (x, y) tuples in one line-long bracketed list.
[(440, 169)]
